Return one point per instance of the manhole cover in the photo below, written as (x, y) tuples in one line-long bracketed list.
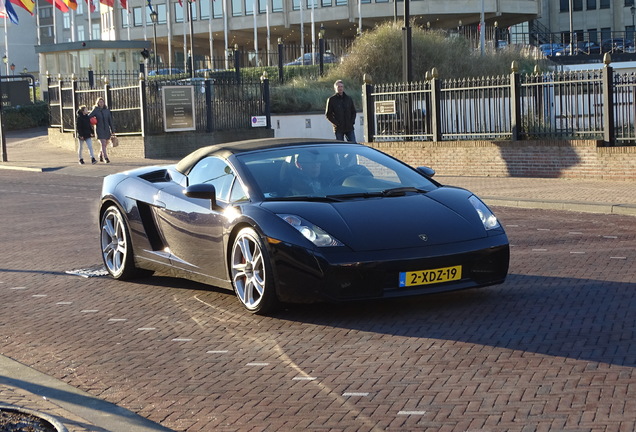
[(95, 271)]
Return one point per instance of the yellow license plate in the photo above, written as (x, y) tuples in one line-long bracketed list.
[(433, 276)]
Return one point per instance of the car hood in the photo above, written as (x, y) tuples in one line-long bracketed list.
[(391, 223)]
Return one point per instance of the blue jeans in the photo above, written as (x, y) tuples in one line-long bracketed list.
[(351, 136)]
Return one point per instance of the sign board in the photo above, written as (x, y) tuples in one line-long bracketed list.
[(15, 93), (385, 107), (178, 108), (259, 121)]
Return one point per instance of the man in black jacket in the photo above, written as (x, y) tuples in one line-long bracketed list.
[(341, 113)]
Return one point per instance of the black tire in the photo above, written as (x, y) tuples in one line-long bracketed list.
[(117, 252), (251, 273)]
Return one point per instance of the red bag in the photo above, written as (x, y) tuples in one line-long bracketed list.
[(93, 121)]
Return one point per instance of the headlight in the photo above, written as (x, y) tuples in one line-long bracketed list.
[(487, 217), (313, 233)]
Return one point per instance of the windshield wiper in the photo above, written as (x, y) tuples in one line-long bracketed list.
[(355, 195), (401, 191), (329, 198)]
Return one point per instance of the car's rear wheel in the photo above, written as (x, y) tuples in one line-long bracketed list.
[(251, 273), (116, 246)]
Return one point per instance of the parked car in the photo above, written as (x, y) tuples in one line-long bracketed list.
[(550, 48), (585, 48), (617, 45), (167, 71), (247, 216), (306, 59)]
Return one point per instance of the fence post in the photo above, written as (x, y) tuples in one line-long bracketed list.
[(209, 118), (609, 135), (268, 114), (368, 109), (280, 60), (515, 101), (91, 77), (237, 63), (75, 102), (436, 112), (107, 95), (143, 103), (59, 91)]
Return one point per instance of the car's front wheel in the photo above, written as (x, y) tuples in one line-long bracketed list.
[(251, 273), (116, 246)]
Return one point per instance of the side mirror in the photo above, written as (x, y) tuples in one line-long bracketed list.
[(426, 171), (202, 191)]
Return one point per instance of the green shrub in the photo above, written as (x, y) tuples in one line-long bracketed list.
[(25, 117), (378, 53)]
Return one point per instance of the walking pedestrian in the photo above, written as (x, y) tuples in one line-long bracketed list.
[(104, 128), (341, 112), (84, 131)]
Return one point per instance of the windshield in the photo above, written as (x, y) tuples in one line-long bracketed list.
[(331, 171)]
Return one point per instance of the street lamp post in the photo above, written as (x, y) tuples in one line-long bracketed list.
[(5, 60), (321, 49), (192, 38), (12, 69), (154, 17)]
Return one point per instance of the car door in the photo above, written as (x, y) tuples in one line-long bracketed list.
[(192, 229)]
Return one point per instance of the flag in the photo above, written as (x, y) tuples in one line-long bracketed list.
[(6, 10), (124, 4), (27, 5), (109, 3), (72, 4), (150, 6), (91, 4), (59, 4)]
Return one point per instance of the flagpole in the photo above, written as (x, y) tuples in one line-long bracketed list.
[(211, 35), (54, 25), (169, 25), (73, 30), (255, 33), (302, 34), (37, 20), (6, 44), (227, 44), (313, 34), (185, 37), (128, 18), (90, 19), (269, 41)]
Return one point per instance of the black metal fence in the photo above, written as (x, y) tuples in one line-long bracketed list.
[(578, 104), (138, 109)]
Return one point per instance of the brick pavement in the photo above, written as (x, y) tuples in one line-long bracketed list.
[(558, 374)]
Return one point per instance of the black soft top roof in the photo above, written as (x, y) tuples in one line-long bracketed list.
[(226, 149)]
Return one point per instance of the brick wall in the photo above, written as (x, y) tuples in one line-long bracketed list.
[(546, 159)]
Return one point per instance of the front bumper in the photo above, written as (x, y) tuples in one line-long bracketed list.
[(338, 275)]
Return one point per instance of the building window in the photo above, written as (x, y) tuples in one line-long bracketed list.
[(326, 3), (341, 2), (629, 2), (45, 12), (565, 5), (237, 8), (96, 31), (67, 20), (125, 16), (137, 20), (605, 4), (577, 5), (592, 35), (81, 34), (204, 9), (591, 4), (277, 5), (217, 7), (606, 33)]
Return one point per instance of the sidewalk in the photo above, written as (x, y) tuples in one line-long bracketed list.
[(29, 150), (77, 411)]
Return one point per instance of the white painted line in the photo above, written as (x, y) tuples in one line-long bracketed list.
[(575, 233), (18, 288), (146, 328), (355, 394), (64, 303), (539, 250), (257, 364), (181, 340), (39, 295), (610, 237), (117, 319), (304, 378), (621, 258), (514, 226), (217, 352), (543, 229), (90, 311), (575, 252), (411, 412)]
